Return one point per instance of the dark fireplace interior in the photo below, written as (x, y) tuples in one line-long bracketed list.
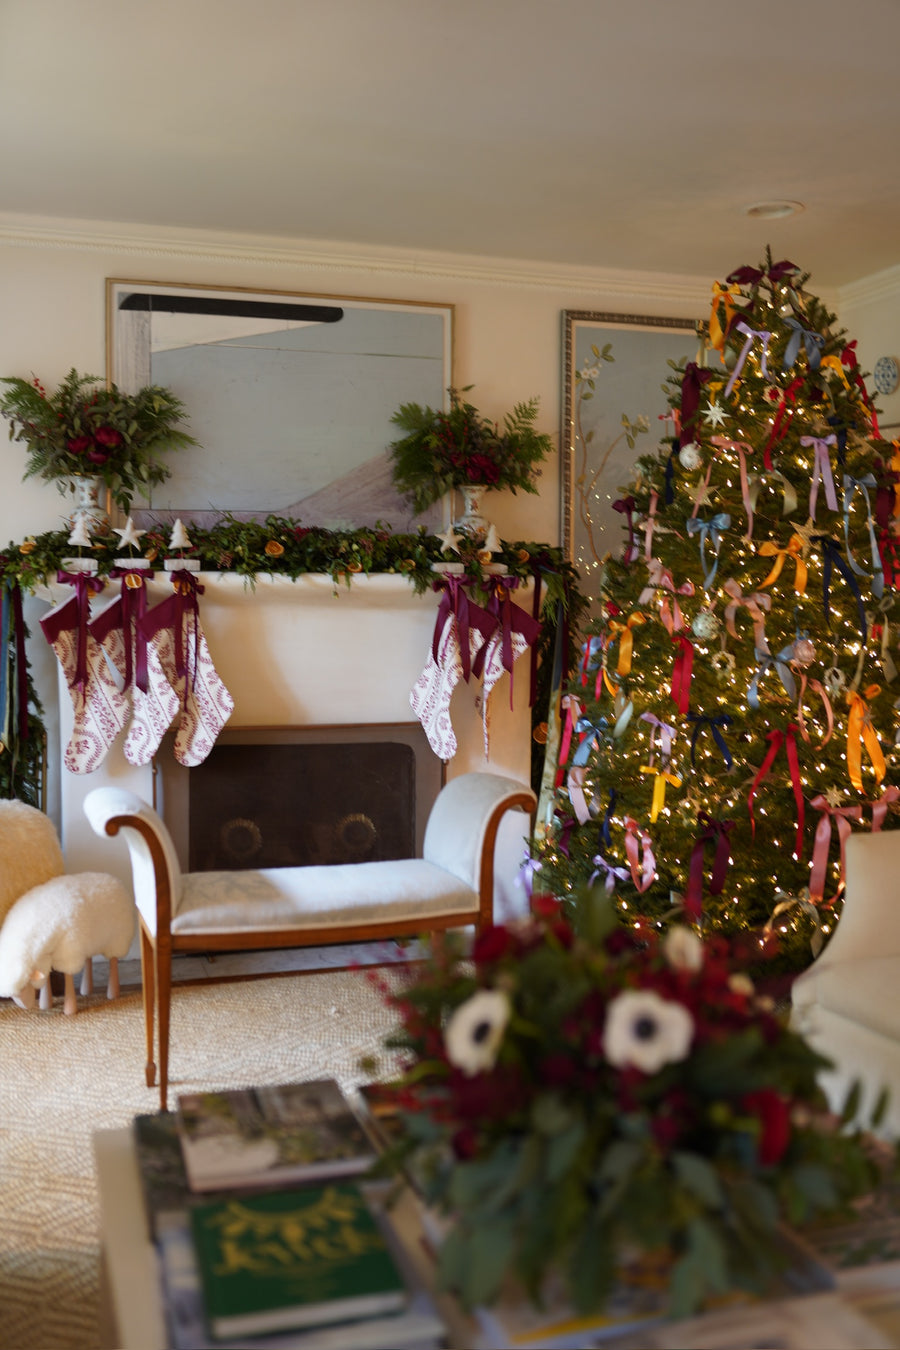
[(290, 797)]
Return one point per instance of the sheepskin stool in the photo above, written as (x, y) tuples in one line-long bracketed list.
[(51, 921)]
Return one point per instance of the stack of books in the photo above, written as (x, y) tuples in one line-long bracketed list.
[(267, 1230)]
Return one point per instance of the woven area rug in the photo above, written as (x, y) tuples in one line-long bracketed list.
[(64, 1077)]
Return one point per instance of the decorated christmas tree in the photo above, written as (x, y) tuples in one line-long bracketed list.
[(733, 717)]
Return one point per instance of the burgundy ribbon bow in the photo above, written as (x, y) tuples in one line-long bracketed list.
[(86, 585), (468, 616), (695, 377), (171, 613), (511, 618), (128, 615), (711, 832)]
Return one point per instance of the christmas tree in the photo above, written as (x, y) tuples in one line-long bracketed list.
[(733, 715)]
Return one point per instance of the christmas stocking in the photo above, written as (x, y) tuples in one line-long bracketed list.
[(448, 662), (154, 702), (497, 654), (430, 695), (100, 708), (174, 628)]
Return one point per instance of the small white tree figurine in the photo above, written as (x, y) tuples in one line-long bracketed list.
[(180, 539)]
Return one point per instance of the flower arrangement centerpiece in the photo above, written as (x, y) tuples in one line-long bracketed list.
[(88, 428), (572, 1097), (442, 449)]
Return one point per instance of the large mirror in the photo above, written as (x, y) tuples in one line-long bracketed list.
[(290, 397), (597, 461)]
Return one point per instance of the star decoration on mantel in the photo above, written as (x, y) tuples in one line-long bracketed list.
[(450, 540), (129, 537), (715, 414)]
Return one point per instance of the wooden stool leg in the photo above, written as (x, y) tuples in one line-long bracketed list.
[(46, 997), (70, 1004), (148, 993), (112, 987), (25, 998), (87, 977)]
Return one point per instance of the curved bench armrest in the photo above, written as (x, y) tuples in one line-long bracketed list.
[(461, 833), (156, 873)]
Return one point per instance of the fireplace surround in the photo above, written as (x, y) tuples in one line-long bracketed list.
[(309, 653)]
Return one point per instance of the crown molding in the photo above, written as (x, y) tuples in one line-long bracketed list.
[(868, 290), (682, 292)]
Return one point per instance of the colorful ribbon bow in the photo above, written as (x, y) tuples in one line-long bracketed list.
[(660, 578), (777, 739), (861, 733), (754, 605), (181, 606), (841, 816), (702, 720), (821, 471), (613, 873), (795, 549), (831, 555), (625, 506), (711, 832), (850, 487), (709, 531), (662, 777), (814, 344), (639, 852), (752, 276), (626, 639), (751, 334)]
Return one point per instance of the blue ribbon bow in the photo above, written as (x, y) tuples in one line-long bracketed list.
[(709, 530)]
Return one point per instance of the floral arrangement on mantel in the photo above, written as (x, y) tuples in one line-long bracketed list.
[(89, 428), (572, 1098), (457, 447)]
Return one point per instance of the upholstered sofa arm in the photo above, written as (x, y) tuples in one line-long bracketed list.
[(870, 919)]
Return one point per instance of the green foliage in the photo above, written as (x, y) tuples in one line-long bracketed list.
[(445, 449), (89, 428)]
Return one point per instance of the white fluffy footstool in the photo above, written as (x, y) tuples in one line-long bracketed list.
[(51, 921)]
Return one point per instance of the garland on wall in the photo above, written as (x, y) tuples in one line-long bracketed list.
[(277, 546)]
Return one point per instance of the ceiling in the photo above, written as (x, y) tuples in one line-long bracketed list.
[(579, 132)]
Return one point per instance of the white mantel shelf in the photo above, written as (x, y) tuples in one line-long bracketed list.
[(313, 652)]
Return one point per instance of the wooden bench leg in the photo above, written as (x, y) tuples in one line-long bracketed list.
[(87, 978), (148, 992), (112, 984)]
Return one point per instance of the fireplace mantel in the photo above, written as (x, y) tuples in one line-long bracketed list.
[(309, 652)]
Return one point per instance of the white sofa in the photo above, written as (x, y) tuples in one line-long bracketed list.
[(847, 1003), (451, 886)]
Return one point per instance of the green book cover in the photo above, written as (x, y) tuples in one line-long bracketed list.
[(283, 1260)]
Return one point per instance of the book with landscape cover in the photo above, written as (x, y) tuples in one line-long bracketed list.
[(271, 1135), (280, 1260)]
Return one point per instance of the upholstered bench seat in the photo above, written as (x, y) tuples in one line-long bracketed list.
[(345, 893), (450, 886)]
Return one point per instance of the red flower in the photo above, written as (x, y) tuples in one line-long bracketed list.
[(97, 456), (774, 1115), (79, 444), (465, 1143), (557, 1069), (108, 436), (490, 945)]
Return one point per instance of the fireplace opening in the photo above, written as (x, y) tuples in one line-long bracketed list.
[(292, 797)]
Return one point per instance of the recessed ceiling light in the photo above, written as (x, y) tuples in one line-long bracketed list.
[(773, 210)]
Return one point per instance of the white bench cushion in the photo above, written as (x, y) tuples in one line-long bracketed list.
[(343, 893)]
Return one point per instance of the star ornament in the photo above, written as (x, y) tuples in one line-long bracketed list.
[(715, 415), (129, 537), (834, 797), (450, 540)]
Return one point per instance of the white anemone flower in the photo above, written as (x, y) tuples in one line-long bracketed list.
[(644, 1031), (474, 1032), (683, 949)]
